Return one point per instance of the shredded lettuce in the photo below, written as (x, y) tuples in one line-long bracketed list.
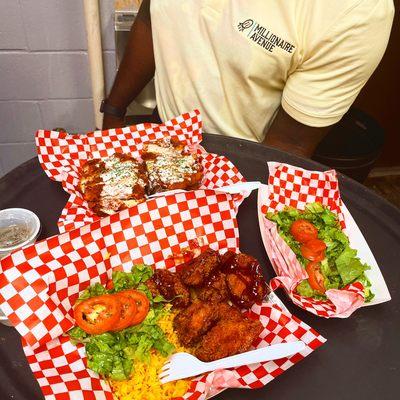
[(94, 290), (367, 287), (113, 354), (122, 280), (304, 289), (128, 280), (349, 265), (78, 335), (341, 265)]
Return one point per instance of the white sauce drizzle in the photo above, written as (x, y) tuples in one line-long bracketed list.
[(119, 177)]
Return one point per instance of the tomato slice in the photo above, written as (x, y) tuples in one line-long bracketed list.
[(142, 304), (303, 230), (128, 311), (110, 285), (315, 277), (97, 314), (316, 245), (313, 250)]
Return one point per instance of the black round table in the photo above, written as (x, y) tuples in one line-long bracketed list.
[(361, 359)]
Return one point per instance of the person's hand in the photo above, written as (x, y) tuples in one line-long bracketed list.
[(110, 122)]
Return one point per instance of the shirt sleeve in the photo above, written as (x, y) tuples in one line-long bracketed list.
[(336, 67)]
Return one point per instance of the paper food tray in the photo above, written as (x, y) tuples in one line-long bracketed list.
[(357, 240), (39, 285), (61, 156)]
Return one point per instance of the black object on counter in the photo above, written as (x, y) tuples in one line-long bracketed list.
[(353, 145), (361, 359)]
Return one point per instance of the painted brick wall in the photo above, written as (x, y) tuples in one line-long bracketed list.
[(44, 72)]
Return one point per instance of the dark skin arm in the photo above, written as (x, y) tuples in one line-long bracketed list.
[(136, 69), (292, 136)]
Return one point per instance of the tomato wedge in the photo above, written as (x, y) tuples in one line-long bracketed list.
[(313, 250), (97, 314), (128, 311), (315, 277), (110, 285), (303, 230), (142, 304)]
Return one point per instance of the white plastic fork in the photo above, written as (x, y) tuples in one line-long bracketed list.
[(232, 189), (184, 365)]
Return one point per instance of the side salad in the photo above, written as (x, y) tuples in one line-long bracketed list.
[(118, 324), (322, 248)]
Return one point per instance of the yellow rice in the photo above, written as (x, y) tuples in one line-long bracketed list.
[(144, 383)]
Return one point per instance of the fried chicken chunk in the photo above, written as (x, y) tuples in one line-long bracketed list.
[(227, 312), (192, 322), (197, 271), (113, 183), (214, 290), (169, 285), (244, 279), (228, 337), (170, 167)]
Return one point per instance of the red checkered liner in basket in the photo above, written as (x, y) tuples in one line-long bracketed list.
[(61, 155), (296, 187), (60, 368), (39, 285)]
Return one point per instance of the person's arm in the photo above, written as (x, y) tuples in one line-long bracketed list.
[(289, 135), (136, 69), (335, 65)]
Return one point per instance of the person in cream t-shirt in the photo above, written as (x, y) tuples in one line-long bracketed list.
[(276, 71)]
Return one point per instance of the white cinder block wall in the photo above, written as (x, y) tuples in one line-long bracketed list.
[(44, 72)]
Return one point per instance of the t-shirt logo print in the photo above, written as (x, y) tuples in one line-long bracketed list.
[(242, 26), (263, 36)]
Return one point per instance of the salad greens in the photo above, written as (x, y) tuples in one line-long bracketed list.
[(139, 274), (341, 265), (112, 354)]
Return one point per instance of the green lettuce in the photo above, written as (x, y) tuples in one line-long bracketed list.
[(94, 290), (304, 289), (112, 354), (78, 335), (367, 287), (122, 281), (349, 266), (127, 280), (341, 265)]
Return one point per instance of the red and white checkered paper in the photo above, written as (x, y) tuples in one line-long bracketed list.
[(40, 284), (61, 155), (296, 187)]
